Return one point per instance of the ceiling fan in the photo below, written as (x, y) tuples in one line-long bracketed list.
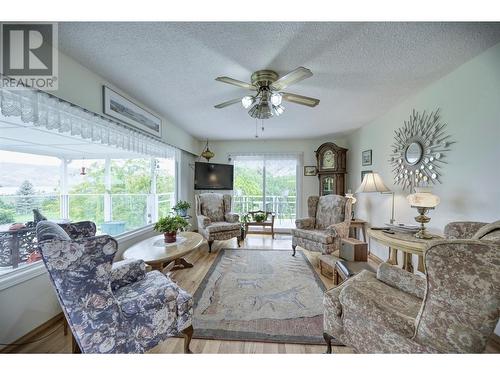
[(267, 101)]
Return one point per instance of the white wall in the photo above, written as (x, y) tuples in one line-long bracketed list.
[(26, 305), (309, 185), (469, 99), (80, 86)]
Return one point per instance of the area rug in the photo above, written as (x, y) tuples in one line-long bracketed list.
[(260, 295)]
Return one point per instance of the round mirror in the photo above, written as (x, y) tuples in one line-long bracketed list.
[(413, 153)]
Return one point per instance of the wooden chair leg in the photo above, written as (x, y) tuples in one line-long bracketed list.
[(75, 348), (188, 335), (294, 247), (210, 245), (328, 340)]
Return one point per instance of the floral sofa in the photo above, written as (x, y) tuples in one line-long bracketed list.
[(328, 221), (110, 307), (215, 219), (453, 309)]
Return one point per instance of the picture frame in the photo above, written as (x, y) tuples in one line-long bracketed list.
[(121, 108), (366, 158), (310, 170), (363, 174)]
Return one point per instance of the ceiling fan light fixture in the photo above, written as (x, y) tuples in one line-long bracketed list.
[(278, 110), (275, 99), (247, 101)]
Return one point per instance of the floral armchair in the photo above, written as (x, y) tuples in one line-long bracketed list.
[(453, 309), (328, 221), (111, 307), (215, 219)]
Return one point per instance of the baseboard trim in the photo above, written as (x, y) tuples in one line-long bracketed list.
[(32, 334)]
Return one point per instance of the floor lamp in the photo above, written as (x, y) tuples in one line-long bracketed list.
[(372, 183)]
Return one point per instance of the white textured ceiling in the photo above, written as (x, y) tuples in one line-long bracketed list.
[(361, 70)]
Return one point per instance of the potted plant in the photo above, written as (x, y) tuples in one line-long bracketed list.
[(260, 217), (169, 225), (244, 219), (181, 208)]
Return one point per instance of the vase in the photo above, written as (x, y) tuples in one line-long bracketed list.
[(182, 212), (170, 237)]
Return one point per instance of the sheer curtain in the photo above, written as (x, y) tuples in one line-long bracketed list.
[(269, 182), (39, 109)]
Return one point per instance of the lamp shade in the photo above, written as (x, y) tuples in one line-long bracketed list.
[(423, 198), (372, 183)]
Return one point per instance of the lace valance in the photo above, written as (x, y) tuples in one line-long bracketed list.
[(49, 112)]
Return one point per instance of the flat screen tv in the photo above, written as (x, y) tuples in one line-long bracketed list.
[(210, 176)]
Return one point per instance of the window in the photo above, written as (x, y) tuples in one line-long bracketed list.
[(26, 182), (85, 193), (165, 185), (130, 189), (267, 182), (119, 195)]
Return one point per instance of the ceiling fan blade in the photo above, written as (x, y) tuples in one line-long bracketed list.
[(236, 82), (290, 78), (228, 103), (299, 99)]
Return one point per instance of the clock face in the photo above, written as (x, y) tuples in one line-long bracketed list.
[(328, 160)]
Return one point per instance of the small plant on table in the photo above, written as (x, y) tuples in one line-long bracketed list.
[(181, 208), (169, 225)]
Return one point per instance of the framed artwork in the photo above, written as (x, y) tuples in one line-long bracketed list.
[(119, 107), (366, 157), (363, 174), (310, 170)]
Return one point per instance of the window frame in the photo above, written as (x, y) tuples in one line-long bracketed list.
[(29, 271)]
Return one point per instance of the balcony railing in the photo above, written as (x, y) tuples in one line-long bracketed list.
[(112, 213), (283, 206)]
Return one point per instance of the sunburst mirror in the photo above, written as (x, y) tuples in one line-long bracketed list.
[(419, 150)]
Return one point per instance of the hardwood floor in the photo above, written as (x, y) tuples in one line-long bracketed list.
[(189, 280)]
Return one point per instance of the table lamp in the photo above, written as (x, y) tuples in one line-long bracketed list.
[(372, 183), (353, 200), (423, 200)]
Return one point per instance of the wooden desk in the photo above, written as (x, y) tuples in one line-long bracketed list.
[(269, 222), (406, 243)]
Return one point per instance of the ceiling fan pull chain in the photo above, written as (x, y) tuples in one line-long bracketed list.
[(256, 134)]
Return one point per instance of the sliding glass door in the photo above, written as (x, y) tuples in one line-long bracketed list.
[(267, 182)]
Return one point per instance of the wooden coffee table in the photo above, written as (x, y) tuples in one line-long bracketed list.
[(159, 255)]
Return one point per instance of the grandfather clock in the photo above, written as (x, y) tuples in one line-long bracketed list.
[(331, 164)]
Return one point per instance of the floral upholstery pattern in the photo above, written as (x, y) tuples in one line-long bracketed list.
[(402, 280), (461, 306), (215, 219), (305, 223), (328, 222), (211, 205), (454, 309), (315, 235), (126, 272), (112, 309), (79, 230), (231, 217), (330, 210), (222, 227), (462, 229), (489, 232)]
